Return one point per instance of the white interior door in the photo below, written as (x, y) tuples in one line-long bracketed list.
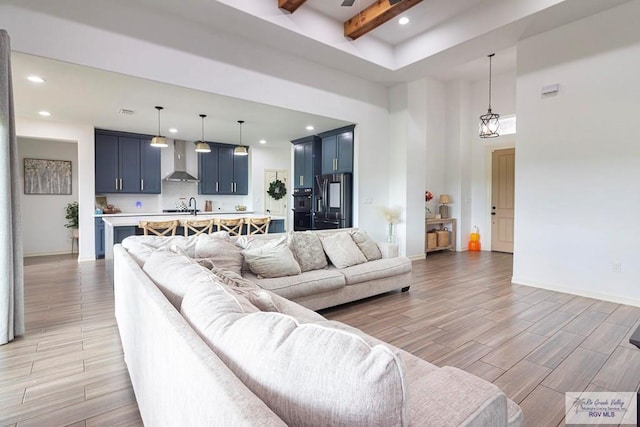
[(502, 199), (275, 207)]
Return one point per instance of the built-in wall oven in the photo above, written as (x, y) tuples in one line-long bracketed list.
[(302, 209)]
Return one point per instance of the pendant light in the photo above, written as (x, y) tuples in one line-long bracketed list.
[(489, 123), (202, 146), (241, 150), (159, 140)]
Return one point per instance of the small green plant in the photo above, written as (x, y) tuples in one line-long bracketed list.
[(72, 215)]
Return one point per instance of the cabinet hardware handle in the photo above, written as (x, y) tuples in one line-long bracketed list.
[(301, 180), (116, 183), (120, 184), (232, 187), (216, 186), (142, 185)]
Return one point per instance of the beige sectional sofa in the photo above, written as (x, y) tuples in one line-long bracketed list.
[(205, 346)]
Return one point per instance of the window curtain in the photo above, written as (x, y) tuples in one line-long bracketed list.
[(11, 263)]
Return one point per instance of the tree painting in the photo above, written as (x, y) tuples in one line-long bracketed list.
[(47, 176)]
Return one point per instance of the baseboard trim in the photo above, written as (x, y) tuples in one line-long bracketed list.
[(573, 291), (417, 257), (31, 255)]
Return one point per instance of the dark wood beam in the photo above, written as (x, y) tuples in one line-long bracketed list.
[(290, 5), (375, 15)]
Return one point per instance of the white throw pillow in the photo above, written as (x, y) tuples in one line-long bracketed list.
[(309, 374), (368, 247), (273, 259), (307, 249), (220, 251), (342, 250)]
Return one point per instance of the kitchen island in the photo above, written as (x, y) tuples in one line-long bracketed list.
[(119, 226)]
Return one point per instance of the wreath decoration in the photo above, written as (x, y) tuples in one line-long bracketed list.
[(277, 189)]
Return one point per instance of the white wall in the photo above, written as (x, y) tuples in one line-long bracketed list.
[(577, 176), (293, 83), (435, 140), (83, 135), (43, 216)]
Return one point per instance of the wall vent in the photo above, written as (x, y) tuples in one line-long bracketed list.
[(126, 111)]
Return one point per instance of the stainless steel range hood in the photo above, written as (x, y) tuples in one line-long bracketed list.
[(179, 173)]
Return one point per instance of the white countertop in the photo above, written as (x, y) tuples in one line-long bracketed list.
[(170, 213), (119, 220)]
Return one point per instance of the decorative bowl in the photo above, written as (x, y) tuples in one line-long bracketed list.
[(241, 208)]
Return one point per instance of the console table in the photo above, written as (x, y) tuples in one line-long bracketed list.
[(635, 338), (440, 224)]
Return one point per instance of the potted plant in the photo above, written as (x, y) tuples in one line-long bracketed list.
[(71, 216)]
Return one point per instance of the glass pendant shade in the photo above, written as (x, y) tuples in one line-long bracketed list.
[(240, 150), (202, 146), (159, 141), (489, 122)]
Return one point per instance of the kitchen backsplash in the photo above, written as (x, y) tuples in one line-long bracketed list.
[(171, 193)]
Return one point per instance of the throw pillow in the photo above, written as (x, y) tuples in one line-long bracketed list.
[(368, 247), (250, 242), (309, 374), (307, 249), (231, 278), (342, 250), (221, 252), (273, 259)]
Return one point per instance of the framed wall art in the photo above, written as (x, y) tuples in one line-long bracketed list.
[(43, 176)]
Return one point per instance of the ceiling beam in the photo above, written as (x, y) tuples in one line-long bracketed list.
[(375, 15), (290, 5)]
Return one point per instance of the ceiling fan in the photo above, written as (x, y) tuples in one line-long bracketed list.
[(351, 2)]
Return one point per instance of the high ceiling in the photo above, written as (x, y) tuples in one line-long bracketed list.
[(445, 39)]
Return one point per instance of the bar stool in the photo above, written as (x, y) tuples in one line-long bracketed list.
[(231, 226), (159, 228), (197, 226), (258, 225)]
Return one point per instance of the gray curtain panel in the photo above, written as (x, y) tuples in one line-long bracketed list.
[(11, 263)]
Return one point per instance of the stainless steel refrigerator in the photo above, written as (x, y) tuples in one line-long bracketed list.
[(333, 201)]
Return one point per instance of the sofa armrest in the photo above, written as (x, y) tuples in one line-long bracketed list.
[(388, 250)]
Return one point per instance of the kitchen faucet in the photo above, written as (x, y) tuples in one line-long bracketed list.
[(195, 211)]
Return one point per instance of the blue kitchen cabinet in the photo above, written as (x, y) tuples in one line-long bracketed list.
[(126, 163), (337, 150), (306, 161), (221, 172), (122, 232), (99, 237), (151, 181), (276, 226)]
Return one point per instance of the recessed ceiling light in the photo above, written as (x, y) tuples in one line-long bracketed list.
[(403, 21), (310, 127), (35, 79), (263, 141), (44, 113), (173, 130)]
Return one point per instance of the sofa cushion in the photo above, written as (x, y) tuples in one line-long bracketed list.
[(274, 259), (205, 303), (342, 250), (307, 283), (140, 252), (310, 374), (378, 269), (175, 273), (368, 247), (221, 252), (187, 244), (469, 400), (231, 278), (307, 249)]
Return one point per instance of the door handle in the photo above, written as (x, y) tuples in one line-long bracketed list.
[(493, 213)]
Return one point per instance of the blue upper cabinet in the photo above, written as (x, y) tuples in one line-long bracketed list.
[(125, 163), (306, 161), (221, 172), (151, 181), (107, 164), (337, 150)]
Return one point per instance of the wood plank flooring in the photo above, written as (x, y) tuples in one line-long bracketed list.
[(535, 344), (461, 311)]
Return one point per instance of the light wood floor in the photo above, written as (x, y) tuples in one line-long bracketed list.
[(461, 311)]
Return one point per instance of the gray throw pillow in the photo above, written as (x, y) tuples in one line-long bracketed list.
[(342, 250), (368, 247), (222, 253), (307, 249), (273, 259)]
